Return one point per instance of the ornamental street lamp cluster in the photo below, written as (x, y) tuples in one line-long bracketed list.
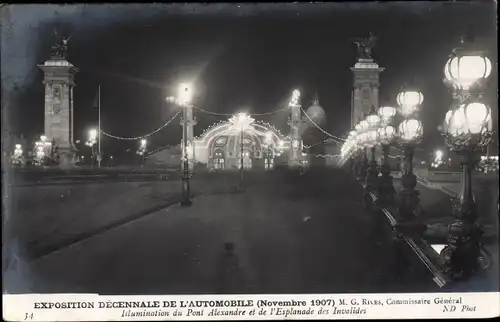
[(17, 156), (141, 151), (91, 142), (43, 149), (371, 141), (183, 100), (241, 122), (268, 143), (378, 129), (387, 134), (410, 134), (467, 130)]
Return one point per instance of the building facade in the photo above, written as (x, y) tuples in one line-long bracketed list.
[(227, 145)]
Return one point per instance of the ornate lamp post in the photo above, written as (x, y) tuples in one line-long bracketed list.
[(410, 135), (357, 151), (467, 130), (295, 123), (142, 150), (184, 99), (349, 150), (387, 134), (268, 140), (363, 141), (91, 141), (18, 154), (410, 212), (241, 122), (372, 139)]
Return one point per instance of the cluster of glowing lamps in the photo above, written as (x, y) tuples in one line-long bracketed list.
[(468, 123), (42, 147), (92, 138), (142, 147)]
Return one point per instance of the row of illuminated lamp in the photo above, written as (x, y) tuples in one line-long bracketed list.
[(375, 128), (464, 70)]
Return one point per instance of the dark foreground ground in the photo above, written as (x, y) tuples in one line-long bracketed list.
[(284, 234)]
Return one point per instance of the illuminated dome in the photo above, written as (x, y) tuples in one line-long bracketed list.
[(316, 113)]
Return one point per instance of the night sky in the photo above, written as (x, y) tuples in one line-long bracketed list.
[(243, 57)]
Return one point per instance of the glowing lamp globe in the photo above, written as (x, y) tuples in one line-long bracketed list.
[(472, 118), (464, 71), (371, 138), (373, 120), (295, 98), (364, 125), (387, 134), (410, 130), (409, 101), (386, 113), (92, 134), (185, 94)]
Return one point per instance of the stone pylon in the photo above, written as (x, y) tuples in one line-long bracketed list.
[(59, 81)]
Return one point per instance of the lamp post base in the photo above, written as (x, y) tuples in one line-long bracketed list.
[(363, 170), (372, 177), (385, 188), (186, 191), (462, 253), (67, 159), (240, 186)]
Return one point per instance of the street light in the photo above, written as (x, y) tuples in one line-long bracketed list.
[(387, 134), (184, 97), (268, 143), (241, 122), (467, 130), (363, 127), (18, 154), (295, 98), (91, 141), (372, 138), (466, 68), (142, 149), (409, 101), (410, 135)]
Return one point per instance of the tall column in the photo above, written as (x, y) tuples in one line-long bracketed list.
[(59, 81), (296, 139), (366, 85), (365, 94)]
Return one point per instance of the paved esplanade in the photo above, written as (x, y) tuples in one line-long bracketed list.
[(285, 234)]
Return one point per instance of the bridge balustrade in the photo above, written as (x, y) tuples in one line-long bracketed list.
[(409, 239)]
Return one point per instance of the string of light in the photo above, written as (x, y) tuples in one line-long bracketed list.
[(319, 128), (269, 113), (142, 136), (322, 141), (251, 114), (327, 155)]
